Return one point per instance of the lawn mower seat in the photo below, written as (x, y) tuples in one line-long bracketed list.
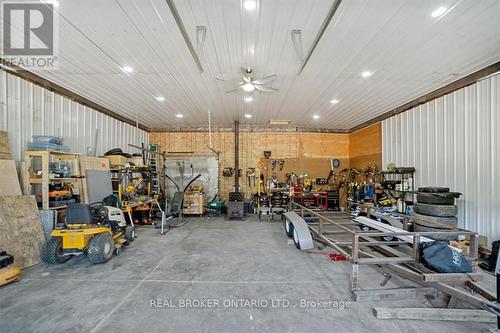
[(78, 213), (176, 204)]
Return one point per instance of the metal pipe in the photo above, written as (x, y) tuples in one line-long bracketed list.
[(322, 29), (184, 33), (321, 216), (236, 156), (209, 131)]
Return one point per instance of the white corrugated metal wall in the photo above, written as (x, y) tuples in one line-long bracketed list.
[(454, 141), (27, 109)]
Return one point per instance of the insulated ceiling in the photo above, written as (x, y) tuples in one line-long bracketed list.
[(409, 52)]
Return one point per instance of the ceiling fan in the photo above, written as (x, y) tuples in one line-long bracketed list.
[(249, 83)]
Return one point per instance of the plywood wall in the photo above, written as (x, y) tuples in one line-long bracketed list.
[(365, 146), (309, 152)]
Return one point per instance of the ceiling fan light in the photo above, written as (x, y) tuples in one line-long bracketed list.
[(248, 87)]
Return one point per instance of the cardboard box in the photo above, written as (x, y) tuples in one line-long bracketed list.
[(118, 160), (137, 160)]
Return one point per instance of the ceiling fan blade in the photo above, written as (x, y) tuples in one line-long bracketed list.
[(233, 90), (230, 81), (265, 89), (265, 79)]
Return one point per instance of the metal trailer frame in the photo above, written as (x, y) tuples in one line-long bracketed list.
[(403, 264)]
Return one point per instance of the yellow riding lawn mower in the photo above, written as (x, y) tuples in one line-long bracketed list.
[(96, 229)]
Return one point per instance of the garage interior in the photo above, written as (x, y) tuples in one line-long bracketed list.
[(249, 166)]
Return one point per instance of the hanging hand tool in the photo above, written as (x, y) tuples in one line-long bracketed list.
[(273, 164), (250, 175), (281, 164)]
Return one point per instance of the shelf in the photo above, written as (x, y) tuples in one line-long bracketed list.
[(51, 152), (39, 180)]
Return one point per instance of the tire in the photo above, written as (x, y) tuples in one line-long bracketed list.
[(435, 210), (422, 228), (52, 252), (432, 220), (433, 189), (101, 248), (289, 228), (129, 234), (428, 198), (296, 239)]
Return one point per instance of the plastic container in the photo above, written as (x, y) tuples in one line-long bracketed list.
[(46, 146), (47, 139)]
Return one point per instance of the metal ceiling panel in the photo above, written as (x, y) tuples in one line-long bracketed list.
[(409, 52)]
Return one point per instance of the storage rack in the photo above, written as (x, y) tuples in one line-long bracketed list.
[(407, 185), (38, 160)]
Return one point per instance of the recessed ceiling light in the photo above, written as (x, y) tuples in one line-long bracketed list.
[(179, 115), (248, 87), (334, 101), (315, 116), (160, 98), (127, 69), (438, 12), (249, 4), (248, 116), (366, 74), (248, 99)]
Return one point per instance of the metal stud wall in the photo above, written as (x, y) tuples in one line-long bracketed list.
[(454, 141), (27, 109)]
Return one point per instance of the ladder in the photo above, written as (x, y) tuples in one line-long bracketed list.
[(155, 172)]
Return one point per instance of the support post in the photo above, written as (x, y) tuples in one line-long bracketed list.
[(355, 247), (416, 247), (320, 227), (236, 156), (354, 279)]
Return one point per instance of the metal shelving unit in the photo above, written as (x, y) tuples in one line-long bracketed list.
[(406, 185)]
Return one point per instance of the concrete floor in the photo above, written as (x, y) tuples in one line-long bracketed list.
[(209, 259)]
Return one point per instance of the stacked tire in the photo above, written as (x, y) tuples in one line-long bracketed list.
[(435, 211)]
